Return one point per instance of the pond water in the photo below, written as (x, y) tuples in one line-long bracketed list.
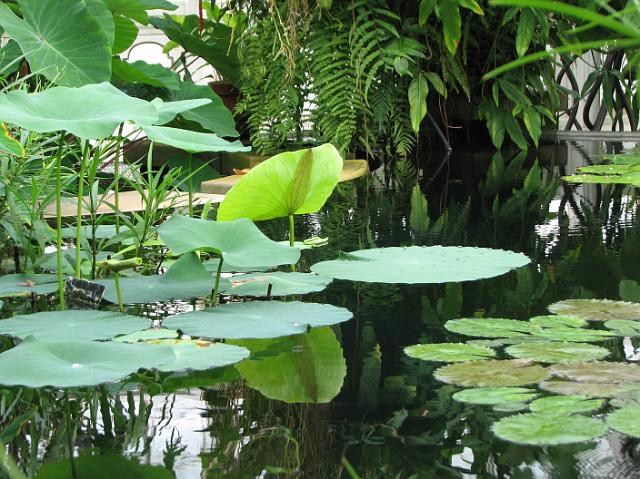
[(391, 418)]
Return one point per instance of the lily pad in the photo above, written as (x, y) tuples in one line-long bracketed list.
[(417, 264), (24, 284), (202, 355), (574, 334), (448, 352), (490, 327), (257, 319), (557, 352), (492, 373), (148, 335), (548, 429), (596, 309), (555, 321), (626, 179), (282, 284), (496, 343), (496, 396), (67, 364), (623, 327), (598, 372), (72, 324), (591, 390), (626, 420), (570, 404)]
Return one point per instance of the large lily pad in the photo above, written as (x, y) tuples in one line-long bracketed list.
[(591, 390), (25, 284), (72, 324), (202, 355), (293, 182), (570, 404), (257, 319), (557, 352), (282, 284), (66, 364), (548, 429), (490, 327), (417, 264), (240, 242), (448, 352), (596, 309), (191, 141), (496, 396), (598, 372), (623, 327), (574, 334), (556, 321), (492, 373), (626, 420)]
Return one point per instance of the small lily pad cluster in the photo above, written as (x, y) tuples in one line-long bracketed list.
[(621, 168), (547, 354)]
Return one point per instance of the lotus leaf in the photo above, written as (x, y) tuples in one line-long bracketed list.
[(628, 179), (448, 352), (492, 373), (417, 264), (623, 327), (282, 284), (596, 309), (496, 343), (555, 321), (25, 284), (574, 334), (591, 390), (308, 368), (257, 319), (240, 242), (511, 407), (191, 141), (68, 364), (213, 264), (496, 396), (570, 404), (202, 355), (598, 372), (103, 466), (167, 111), (626, 420), (617, 169), (557, 352), (148, 335), (548, 429), (73, 324), (293, 182), (490, 327)]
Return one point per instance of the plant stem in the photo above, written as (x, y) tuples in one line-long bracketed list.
[(118, 291), (59, 221), (67, 417), (9, 466), (214, 294), (83, 163), (116, 178), (292, 238), (190, 186)]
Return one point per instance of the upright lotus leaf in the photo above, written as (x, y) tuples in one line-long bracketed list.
[(555, 321), (490, 327), (591, 390), (103, 466), (282, 284), (626, 420), (417, 264), (308, 368), (623, 327), (574, 334), (191, 141), (548, 429), (73, 324), (61, 40), (69, 364), (496, 396), (201, 355), (290, 183), (598, 372), (596, 309), (185, 279), (257, 319), (448, 352), (239, 242), (492, 373), (566, 405), (557, 352), (25, 284)]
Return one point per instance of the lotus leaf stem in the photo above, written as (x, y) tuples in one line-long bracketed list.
[(59, 220), (216, 288), (118, 291), (83, 164), (67, 417), (292, 238)]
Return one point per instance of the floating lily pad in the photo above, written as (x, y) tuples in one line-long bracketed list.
[(66, 364), (496, 343), (557, 352), (623, 327), (617, 169), (25, 284), (626, 420), (591, 390), (575, 334), (555, 321), (417, 264), (598, 372), (257, 319), (448, 352), (72, 324), (492, 373), (548, 429), (148, 335), (202, 355), (282, 284), (496, 396), (570, 404), (596, 309), (627, 179), (490, 327)]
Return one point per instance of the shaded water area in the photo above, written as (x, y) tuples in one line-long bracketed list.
[(391, 418)]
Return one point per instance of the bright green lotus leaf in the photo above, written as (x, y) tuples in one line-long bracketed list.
[(148, 335), (26, 284), (89, 112), (490, 327), (448, 352), (185, 279), (570, 404), (627, 179), (72, 324), (293, 182), (605, 169), (557, 352), (596, 309), (626, 420), (140, 71), (201, 355), (72, 50), (598, 372), (8, 144), (623, 327), (555, 321), (496, 396), (257, 319), (282, 284), (308, 368), (239, 242), (492, 373), (417, 264), (103, 466), (574, 334), (191, 141), (591, 390), (548, 429), (67, 364)]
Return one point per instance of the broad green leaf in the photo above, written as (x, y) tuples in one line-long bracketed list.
[(574, 334), (293, 182), (606, 169), (191, 141), (282, 284), (101, 14), (213, 264), (257, 319), (424, 10), (591, 390), (596, 309), (448, 352), (557, 352), (148, 335), (168, 110), (629, 179), (72, 50), (239, 242), (8, 144), (524, 34), (103, 466), (533, 123), (201, 355), (419, 216), (10, 58), (418, 91), (26, 284), (134, 9), (626, 420), (492, 373), (158, 5), (451, 23), (437, 83), (495, 396), (548, 429), (471, 5), (490, 327), (72, 324), (623, 327), (125, 34), (554, 321), (570, 404), (415, 264), (140, 71), (598, 372)]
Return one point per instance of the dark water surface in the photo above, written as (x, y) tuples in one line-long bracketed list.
[(391, 419)]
